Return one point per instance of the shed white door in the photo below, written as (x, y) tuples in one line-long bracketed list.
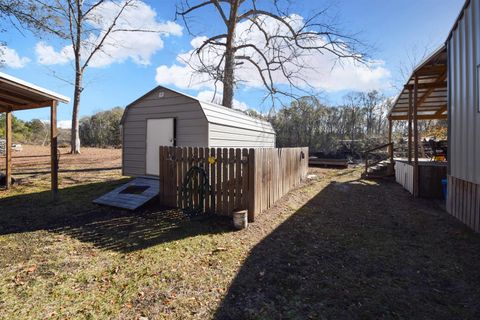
[(159, 133)]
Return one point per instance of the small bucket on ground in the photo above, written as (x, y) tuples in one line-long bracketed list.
[(240, 219)]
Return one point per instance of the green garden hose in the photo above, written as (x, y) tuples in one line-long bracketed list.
[(195, 181)]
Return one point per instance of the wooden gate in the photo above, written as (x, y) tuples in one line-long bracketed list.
[(252, 179)]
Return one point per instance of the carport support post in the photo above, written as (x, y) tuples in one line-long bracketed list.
[(53, 149), (415, 137), (8, 149), (390, 148), (410, 107)]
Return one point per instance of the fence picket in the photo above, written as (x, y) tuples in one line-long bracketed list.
[(219, 181)]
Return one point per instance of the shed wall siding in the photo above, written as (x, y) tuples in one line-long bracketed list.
[(191, 126), (464, 116), (224, 136)]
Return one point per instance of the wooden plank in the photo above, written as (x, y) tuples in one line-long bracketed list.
[(219, 181), (172, 170), (270, 178), (213, 182), (415, 138), (231, 180), (8, 149), (251, 185), (261, 181), (196, 195), (161, 186), (225, 182), (200, 164), (184, 171), (178, 160), (410, 111), (245, 178), (189, 166), (207, 173), (238, 179)]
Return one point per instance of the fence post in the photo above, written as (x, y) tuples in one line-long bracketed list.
[(251, 185), (160, 177)]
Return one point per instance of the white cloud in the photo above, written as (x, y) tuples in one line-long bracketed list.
[(211, 96), (47, 55), (120, 45), (64, 124), (11, 59), (321, 70)]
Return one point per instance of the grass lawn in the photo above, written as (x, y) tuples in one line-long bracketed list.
[(337, 247)]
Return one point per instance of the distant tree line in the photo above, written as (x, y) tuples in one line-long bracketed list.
[(99, 130), (102, 129), (359, 123), (34, 131)]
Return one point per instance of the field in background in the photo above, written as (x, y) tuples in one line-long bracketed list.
[(32, 167)]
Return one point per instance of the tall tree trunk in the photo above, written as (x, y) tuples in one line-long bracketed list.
[(75, 137), (229, 72)]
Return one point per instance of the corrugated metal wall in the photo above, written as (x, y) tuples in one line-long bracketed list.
[(231, 128), (464, 117)]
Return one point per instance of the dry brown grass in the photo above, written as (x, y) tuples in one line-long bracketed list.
[(336, 247)]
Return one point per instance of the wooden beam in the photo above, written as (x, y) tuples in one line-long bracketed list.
[(415, 138), (423, 117), (390, 148), (14, 97), (441, 110), (405, 109), (426, 70), (409, 117), (54, 148), (430, 85), (440, 79), (35, 105), (8, 149)]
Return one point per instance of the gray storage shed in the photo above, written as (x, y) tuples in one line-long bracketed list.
[(166, 117)]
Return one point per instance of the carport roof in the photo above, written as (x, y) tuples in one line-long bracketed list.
[(431, 89), (16, 94)]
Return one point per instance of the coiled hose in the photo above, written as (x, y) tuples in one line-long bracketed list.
[(195, 181)]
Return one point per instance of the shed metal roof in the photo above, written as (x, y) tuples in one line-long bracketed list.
[(431, 76), (218, 114), (16, 94)]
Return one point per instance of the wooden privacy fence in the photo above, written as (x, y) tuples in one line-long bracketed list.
[(252, 179)]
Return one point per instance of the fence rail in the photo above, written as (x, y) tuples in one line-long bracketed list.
[(252, 179)]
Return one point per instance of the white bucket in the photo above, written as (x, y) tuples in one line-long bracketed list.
[(240, 219)]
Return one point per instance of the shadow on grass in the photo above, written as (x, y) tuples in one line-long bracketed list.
[(360, 250), (105, 227)]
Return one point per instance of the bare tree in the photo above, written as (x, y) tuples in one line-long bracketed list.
[(282, 52), (78, 16), (87, 31)]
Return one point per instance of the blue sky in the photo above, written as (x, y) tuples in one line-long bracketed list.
[(398, 32)]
